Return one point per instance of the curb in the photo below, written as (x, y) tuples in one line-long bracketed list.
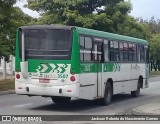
[(141, 110), (135, 112), (154, 76), (7, 92)]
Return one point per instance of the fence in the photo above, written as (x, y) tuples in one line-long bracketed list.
[(154, 65)]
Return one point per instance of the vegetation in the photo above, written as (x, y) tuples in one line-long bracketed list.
[(10, 19), (105, 15), (112, 17), (7, 84), (155, 73), (155, 47)]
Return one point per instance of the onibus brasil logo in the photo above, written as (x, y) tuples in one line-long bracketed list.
[(50, 68)]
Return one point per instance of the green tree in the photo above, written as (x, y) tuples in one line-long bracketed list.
[(102, 15), (152, 30), (131, 27), (154, 47), (6, 8), (153, 24), (105, 15), (10, 19)]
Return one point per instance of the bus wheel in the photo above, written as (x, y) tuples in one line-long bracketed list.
[(136, 93), (60, 100), (107, 94)]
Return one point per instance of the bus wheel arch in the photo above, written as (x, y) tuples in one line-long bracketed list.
[(140, 80), (136, 93), (108, 92)]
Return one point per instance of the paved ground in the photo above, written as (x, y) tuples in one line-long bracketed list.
[(122, 104)]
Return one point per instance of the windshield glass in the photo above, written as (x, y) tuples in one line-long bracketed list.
[(52, 44)]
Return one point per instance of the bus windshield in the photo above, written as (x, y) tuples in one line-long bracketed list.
[(50, 44)]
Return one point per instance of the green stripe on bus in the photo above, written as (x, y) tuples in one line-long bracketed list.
[(94, 68)]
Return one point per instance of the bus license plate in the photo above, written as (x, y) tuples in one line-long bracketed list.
[(43, 80)]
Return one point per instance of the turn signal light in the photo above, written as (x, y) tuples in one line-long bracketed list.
[(18, 76), (72, 78)]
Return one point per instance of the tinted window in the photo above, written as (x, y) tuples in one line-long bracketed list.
[(88, 43), (121, 46), (142, 54), (121, 50), (47, 44), (116, 45), (106, 51), (125, 54), (85, 48), (81, 48), (81, 42)]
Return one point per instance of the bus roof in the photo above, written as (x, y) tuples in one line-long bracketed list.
[(47, 27), (110, 35), (88, 32)]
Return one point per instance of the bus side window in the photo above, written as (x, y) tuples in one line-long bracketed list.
[(126, 56), (81, 48), (134, 52), (94, 52), (146, 54), (116, 51), (142, 51), (106, 51), (111, 50), (130, 52), (138, 53), (88, 48), (121, 51)]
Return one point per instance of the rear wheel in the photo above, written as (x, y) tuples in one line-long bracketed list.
[(136, 93), (60, 100), (107, 94)]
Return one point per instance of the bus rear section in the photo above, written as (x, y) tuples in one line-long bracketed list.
[(44, 64)]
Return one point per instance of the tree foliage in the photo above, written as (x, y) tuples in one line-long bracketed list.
[(96, 14), (130, 27), (153, 36), (10, 19), (155, 47), (105, 15)]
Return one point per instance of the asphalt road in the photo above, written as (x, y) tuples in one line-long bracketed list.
[(122, 104)]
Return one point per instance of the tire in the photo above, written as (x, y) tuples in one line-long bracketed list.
[(60, 100), (136, 93), (108, 93)]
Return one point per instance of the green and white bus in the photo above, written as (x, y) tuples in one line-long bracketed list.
[(62, 62)]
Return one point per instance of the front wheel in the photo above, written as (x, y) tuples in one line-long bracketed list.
[(136, 93), (107, 94), (60, 100)]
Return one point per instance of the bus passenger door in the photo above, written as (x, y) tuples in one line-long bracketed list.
[(98, 59)]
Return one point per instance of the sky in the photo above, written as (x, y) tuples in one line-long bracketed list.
[(146, 8), (26, 10), (141, 8)]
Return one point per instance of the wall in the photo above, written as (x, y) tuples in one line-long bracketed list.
[(10, 66)]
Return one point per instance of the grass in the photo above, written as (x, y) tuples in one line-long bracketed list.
[(155, 73), (8, 84)]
